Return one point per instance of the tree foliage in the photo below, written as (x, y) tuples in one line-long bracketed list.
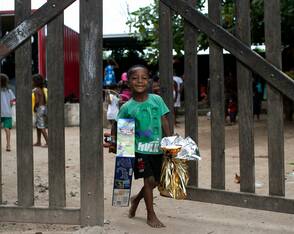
[(145, 24)]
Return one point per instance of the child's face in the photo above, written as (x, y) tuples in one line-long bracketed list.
[(139, 80)]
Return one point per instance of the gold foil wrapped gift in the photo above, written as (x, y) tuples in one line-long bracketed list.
[(174, 174)]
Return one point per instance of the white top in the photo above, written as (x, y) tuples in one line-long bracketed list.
[(179, 82), (112, 109), (6, 97)]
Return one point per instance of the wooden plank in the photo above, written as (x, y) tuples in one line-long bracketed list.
[(217, 101), (56, 138), (191, 91), (30, 25), (245, 103), (39, 215), (243, 53), (91, 112), (24, 137), (275, 123), (166, 60), (245, 200)]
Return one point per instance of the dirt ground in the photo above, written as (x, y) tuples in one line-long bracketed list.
[(178, 216)]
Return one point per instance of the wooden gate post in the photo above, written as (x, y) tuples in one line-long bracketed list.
[(245, 103), (56, 135), (24, 138), (217, 102), (272, 25), (191, 91), (91, 112), (165, 59)]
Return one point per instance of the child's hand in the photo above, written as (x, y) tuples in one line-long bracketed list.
[(109, 142)]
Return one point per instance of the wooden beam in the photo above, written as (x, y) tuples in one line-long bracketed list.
[(191, 91), (272, 24), (217, 103), (30, 25), (56, 136), (39, 215), (166, 60), (91, 112), (242, 52), (245, 200), (24, 137), (245, 103)]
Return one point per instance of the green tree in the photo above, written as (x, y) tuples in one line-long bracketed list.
[(145, 24), (145, 20)]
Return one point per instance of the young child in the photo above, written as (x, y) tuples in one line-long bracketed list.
[(125, 92), (7, 100), (112, 107), (178, 89), (149, 112), (40, 109), (232, 110)]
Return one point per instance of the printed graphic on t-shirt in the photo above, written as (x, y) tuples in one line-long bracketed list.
[(148, 129), (152, 146)]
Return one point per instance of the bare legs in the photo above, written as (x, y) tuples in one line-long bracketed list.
[(147, 193), (41, 131), (7, 133)]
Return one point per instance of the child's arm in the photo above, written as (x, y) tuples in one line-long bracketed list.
[(37, 97), (112, 135), (36, 100), (12, 98), (113, 130), (165, 125), (176, 91), (108, 99)]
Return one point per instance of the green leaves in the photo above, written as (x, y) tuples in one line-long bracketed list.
[(145, 24)]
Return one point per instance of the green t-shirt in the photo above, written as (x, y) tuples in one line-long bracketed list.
[(147, 116)]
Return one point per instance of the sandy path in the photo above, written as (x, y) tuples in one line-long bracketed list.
[(179, 216)]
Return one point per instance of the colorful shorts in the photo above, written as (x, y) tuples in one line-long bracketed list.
[(41, 117)]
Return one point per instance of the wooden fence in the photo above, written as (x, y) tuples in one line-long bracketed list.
[(91, 211), (279, 84)]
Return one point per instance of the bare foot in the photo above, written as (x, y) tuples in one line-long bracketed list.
[(134, 206), (154, 222), (37, 144), (8, 148)]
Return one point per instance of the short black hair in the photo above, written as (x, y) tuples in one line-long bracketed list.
[(132, 68), (38, 80), (4, 80)]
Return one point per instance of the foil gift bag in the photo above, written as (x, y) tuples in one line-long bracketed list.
[(174, 177), (174, 173)]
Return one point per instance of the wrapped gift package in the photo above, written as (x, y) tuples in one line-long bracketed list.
[(124, 162), (174, 174)]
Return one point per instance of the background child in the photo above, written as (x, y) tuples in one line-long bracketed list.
[(232, 110), (178, 89), (40, 109), (149, 112), (7, 100), (109, 73), (125, 92), (112, 105)]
